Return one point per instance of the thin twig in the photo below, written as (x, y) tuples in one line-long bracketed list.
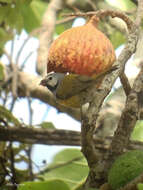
[(25, 60), (12, 167), (125, 83), (29, 150), (64, 20), (37, 31), (5, 98), (8, 56), (14, 69), (103, 13), (14, 80), (12, 48), (48, 169), (30, 111), (20, 50), (4, 169)]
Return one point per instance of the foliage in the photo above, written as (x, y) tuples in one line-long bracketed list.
[(1, 72), (47, 125), (127, 167), (138, 131), (140, 186), (67, 171), (68, 165), (10, 151), (48, 185), (6, 117), (32, 14), (28, 12)]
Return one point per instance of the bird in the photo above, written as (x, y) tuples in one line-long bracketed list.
[(70, 89)]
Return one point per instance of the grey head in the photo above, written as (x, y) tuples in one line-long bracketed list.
[(52, 81)]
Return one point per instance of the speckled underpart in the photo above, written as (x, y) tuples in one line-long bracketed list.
[(82, 50)]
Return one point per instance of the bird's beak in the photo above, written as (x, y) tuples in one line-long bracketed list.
[(43, 82)]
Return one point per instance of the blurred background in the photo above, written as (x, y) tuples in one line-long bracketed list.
[(27, 28)]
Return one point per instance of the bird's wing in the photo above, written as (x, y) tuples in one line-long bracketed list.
[(72, 85)]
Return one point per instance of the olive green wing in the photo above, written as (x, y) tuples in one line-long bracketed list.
[(72, 85)]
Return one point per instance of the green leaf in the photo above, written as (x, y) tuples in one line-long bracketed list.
[(117, 38), (62, 27), (6, 1), (26, 2), (140, 186), (3, 12), (45, 185), (125, 169), (21, 175), (11, 14), (138, 131), (7, 116), (67, 155), (39, 8), (1, 72), (14, 18), (5, 187), (47, 125), (32, 14), (70, 166), (4, 36), (59, 28)]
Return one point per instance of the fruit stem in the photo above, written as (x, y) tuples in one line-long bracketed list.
[(93, 20)]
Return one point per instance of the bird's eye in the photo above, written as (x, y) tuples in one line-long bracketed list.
[(50, 78)]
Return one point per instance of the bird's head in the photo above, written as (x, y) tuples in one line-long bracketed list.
[(52, 81)]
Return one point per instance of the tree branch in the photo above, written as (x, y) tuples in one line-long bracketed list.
[(125, 83), (103, 13), (126, 124), (129, 116), (57, 137), (40, 136), (89, 121)]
